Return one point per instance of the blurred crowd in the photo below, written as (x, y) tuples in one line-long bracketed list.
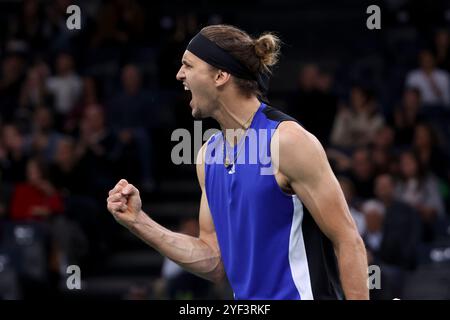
[(81, 109)]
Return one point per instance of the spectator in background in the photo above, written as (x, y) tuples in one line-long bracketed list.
[(355, 126), (381, 244), (374, 217), (89, 97), (418, 188), (35, 199), (33, 95), (359, 167), (401, 227), (68, 173), (13, 157), (43, 139), (66, 86), (119, 23), (381, 149), (130, 114), (433, 83), (314, 105), (441, 49), (97, 149), (29, 24), (406, 116), (431, 157), (362, 173), (10, 85)]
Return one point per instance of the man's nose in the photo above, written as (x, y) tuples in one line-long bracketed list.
[(180, 75)]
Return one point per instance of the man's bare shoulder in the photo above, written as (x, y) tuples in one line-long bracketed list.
[(299, 152)]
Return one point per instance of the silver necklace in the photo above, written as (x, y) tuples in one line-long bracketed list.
[(227, 162)]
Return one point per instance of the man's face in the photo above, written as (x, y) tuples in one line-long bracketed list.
[(198, 78), (384, 187)]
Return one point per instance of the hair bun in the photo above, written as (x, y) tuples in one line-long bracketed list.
[(267, 48)]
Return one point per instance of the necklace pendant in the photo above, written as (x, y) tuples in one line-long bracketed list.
[(227, 163)]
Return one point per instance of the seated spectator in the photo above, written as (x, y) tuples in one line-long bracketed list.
[(34, 92), (441, 49), (97, 149), (406, 116), (376, 239), (11, 79), (419, 188), (35, 199), (65, 86), (130, 114), (68, 173), (431, 157), (433, 83), (362, 173), (13, 157), (314, 100), (43, 138), (401, 226), (89, 96), (356, 125), (382, 149)]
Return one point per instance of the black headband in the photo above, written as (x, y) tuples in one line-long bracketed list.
[(218, 57)]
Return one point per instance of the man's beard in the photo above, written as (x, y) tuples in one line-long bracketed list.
[(197, 114)]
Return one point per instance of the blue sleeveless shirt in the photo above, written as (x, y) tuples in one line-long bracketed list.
[(271, 247)]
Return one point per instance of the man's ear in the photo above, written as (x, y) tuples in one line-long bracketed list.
[(221, 77)]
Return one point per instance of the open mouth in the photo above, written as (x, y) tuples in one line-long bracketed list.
[(188, 90)]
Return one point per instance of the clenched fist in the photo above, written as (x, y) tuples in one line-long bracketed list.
[(124, 203)]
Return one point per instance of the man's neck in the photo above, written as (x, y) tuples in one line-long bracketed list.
[(236, 113)]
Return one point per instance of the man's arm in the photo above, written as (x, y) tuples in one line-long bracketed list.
[(303, 162), (200, 256)]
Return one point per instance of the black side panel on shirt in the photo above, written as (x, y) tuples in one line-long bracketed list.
[(322, 262)]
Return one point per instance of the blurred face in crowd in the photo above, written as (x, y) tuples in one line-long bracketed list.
[(34, 173), (93, 118), (11, 137), (131, 79), (426, 60), (358, 98), (380, 158), (11, 68), (325, 82), (43, 118), (64, 64), (374, 219), (384, 187), (411, 101), (422, 137), (408, 165), (65, 151), (34, 79), (309, 77), (198, 78), (384, 137), (361, 164)]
